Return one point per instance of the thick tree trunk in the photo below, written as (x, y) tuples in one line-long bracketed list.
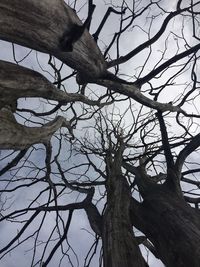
[(120, 247), (172, 226)]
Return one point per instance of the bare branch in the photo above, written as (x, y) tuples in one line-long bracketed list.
[(165, 141), (19, 137), (141, 47), (24, 82), (187, 150), (134, 92), (14, 162), (166, 64), (107, 14), (44, 264)]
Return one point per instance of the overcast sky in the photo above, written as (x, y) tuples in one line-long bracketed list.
[(80, 234)]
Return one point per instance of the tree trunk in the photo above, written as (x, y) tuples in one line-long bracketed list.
[(172, 226), (120, 248)]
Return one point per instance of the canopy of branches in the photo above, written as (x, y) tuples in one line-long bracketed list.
[(99, 119)]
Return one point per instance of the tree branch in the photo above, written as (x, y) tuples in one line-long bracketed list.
[(38, 29), (146, 44), (134, 92), (187, 150), (20, 137), (20, 232), (165, 141), (165, 65), (24, 82), (107, 14), (60, 241), (94, 217), (14, 162), (143, 240)]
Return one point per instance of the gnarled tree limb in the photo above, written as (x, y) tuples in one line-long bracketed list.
[(17, 81), (18, 137), (41, 25)]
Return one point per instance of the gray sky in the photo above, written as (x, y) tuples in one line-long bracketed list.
[(80, 234)]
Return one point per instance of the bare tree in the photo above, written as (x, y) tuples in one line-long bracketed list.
[(107, 124)]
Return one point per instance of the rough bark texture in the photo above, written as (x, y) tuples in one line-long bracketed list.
[(18, 137), (120, 247), (133, 91), (172, 226), (40, 25), (17, 81)]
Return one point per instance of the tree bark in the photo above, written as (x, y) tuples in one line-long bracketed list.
[(17, 81), (171, 225), (120, 248), (41, 24), (18, 137)]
